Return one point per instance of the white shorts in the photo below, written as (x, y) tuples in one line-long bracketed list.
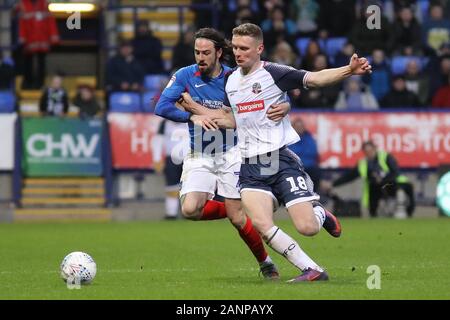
[(203, 173)]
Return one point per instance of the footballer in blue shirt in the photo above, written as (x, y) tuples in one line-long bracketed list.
[(212, 167)]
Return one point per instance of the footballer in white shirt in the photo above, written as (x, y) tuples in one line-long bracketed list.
[(270, 173)]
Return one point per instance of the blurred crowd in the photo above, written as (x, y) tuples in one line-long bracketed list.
[(409, 53)]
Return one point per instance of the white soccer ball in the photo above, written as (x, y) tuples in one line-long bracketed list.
[(78, 267)]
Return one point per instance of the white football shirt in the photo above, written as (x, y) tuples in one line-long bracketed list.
[(250, 97)]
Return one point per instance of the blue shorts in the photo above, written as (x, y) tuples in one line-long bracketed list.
[(280, 174)]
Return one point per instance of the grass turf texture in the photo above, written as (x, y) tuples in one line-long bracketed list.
[(208, 260)]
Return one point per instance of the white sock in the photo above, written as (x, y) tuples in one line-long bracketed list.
[(172, 204), (289, 248), (319, 212)]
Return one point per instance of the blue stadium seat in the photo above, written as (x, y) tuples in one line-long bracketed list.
[(7, 101), (154, 82), (398, 63), (125, 102), (302, 44), (148, 100), (422, 10), (9, 61), (334, 45)]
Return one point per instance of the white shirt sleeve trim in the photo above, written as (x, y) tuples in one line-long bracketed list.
[(305, 80)]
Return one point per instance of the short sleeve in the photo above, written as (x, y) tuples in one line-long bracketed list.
[(176, 85), (287, 78)]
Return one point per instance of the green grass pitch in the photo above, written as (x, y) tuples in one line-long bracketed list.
[(207, 260)]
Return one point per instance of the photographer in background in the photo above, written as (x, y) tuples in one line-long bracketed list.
[(381, 180)]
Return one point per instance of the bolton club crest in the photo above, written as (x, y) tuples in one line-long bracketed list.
[(256, 88)]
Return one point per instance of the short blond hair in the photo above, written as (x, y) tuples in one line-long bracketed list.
[(249, 29)]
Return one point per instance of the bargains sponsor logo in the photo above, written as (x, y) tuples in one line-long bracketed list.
[(250, 106)]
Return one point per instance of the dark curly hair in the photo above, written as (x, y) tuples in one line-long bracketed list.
[(220, 42)]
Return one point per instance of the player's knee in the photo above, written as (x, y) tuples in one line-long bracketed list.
[(238, 219), (262, 225), (191, 211), (308, 228)]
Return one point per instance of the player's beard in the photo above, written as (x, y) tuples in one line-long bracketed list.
[(209, 70)]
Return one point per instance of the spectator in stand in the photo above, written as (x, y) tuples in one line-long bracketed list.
[(54, 101), (336, 17), (366, 40), (356, 96), (284, 54), (343, 57), (37, 32), (442, 97), (238, 12), (86, 102), (379, 80), (399, 96), (243, 14), (312, 50), (445, 4), (183, 52), (317, 97), (416, 82), (438, 73), (6, 74), (405, 31), (436, 29), (306, 149), (148, 49), (278, 28), (306, 13), (203, 16), (123, 71), (399, 4), (268, 6)]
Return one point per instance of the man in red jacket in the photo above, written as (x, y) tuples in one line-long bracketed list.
[(37, 32), (442, 97)]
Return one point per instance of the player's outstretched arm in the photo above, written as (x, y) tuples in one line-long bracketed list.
[(357, 66)]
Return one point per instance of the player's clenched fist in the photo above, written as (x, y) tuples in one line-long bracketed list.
[(359, 66)]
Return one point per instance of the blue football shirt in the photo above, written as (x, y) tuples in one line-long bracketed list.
[(209, 92)]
